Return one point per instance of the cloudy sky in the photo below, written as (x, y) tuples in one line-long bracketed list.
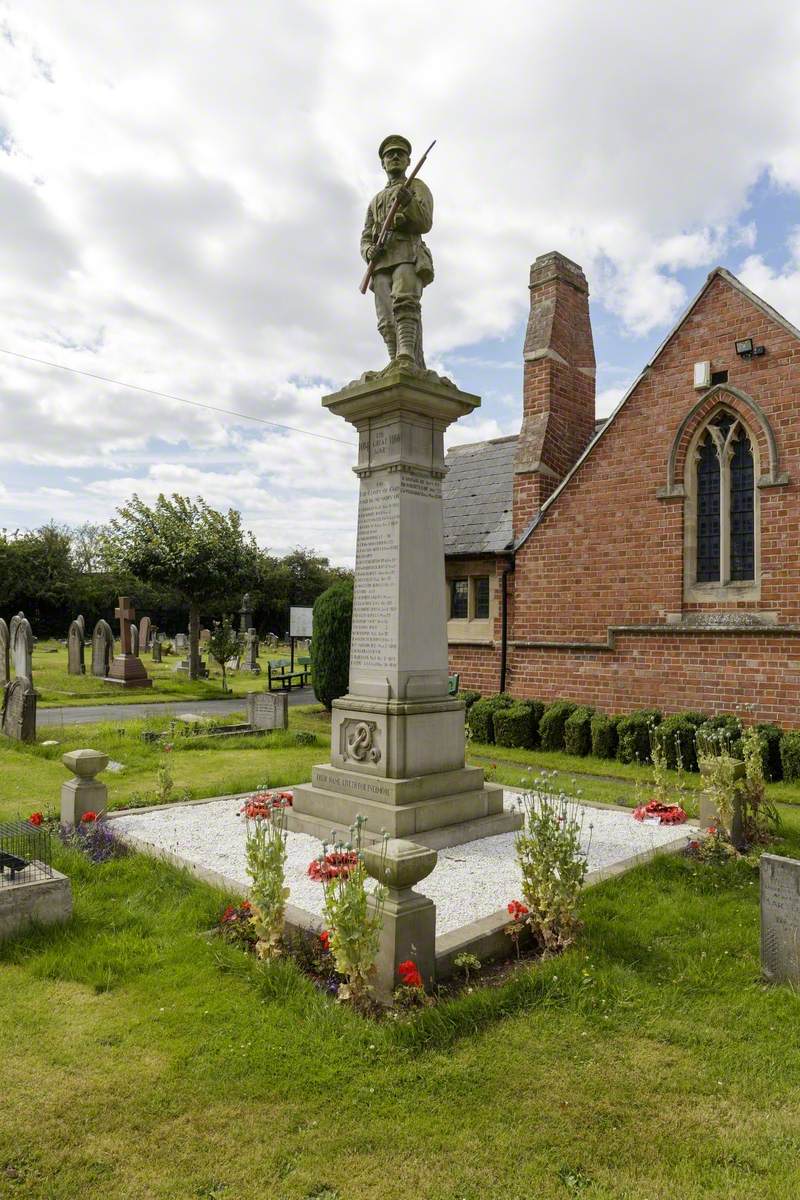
[(182, 188)]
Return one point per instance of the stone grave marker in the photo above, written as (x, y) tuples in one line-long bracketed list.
[(181, 642), (268, 710), (271, 640), (82, 624), (5, 674), (246, 613), (205, 637), (127, 670), (134, 639), (12, 629), (780, 918), (102, 648), (156, 650), (75, 639), (145, 633), (22, 648), (251, 653), (19, 710)]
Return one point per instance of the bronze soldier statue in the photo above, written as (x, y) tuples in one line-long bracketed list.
[(402, 266)]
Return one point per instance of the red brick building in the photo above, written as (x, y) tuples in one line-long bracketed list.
[(653, 560)]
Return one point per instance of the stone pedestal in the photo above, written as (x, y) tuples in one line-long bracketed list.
[(397, 738), (84, 793), (409, 919), (127, 670)]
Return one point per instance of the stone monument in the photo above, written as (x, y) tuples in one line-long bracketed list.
[(155, 650), (127, 670), (12, 629), (83, 793), (18, 719), (82, 623), (251, 653), (75, 640), (102, 648), (268, 710), (397, 737), (22, 647), (5, 667), (780, 918), (145, 633), (246, 613), (134, 639)]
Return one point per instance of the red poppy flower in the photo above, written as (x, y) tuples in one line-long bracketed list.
[(246, 904), (229, 914), (325, 939), (335, 864), (409, 973), (88, 817), (35, 818), (518, 909)]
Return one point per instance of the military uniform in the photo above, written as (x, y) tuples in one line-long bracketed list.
[(404, 267)]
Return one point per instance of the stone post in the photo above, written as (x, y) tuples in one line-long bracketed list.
[(709, 814), (409, 918), (397, 737), (84, 793)]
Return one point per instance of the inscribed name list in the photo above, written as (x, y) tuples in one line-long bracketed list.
[(374, 636)]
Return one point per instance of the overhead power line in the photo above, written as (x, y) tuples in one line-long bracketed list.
[(229, 412)]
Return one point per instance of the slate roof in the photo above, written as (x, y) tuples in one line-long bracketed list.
[(478, 493)]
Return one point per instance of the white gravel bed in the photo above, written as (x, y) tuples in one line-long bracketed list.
[(469, 882)]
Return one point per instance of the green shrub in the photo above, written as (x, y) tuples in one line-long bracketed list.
[(633, 734), (723, 732), (771, 751), (551, 725), (515, 726), (790, 756), (468, 697), (330, 645), (480, 717), (675, 737), (578, 731), (604, 735)]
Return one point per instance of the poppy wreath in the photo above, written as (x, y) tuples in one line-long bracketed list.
[(668, 814)]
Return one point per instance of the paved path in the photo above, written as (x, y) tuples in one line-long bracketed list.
[(88, 714)]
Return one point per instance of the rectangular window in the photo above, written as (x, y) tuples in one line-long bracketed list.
[(459, 599), (481, 585)]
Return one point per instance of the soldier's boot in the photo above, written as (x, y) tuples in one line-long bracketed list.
[(407, 327), (389, 335)]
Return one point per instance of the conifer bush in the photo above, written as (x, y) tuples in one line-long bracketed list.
[(578, 731), (469, 697), (480, 718), (633, 734), (330, 645), (551, 726), (604, 735)]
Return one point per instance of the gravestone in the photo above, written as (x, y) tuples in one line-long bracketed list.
[(397, 737), (18, 719), (271, 641), (75, 663), (22, 648), (251, 653), (134, 639), (5, 672), (780, 918), (246, 613), (82, 624), (102, 649), (145, 633), (181, 642), (12, 629), (268, 710), (205, 637), (156, 650), (127, 670)]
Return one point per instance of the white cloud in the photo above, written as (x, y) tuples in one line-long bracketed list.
[(184, 186), (780, 288)]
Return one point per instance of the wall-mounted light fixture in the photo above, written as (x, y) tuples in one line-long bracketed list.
[(746, 349)]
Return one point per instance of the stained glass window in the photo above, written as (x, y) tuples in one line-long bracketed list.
[(708, 512), (742, 510)]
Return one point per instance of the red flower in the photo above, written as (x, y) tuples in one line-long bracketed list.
[(246, 904), (325, 939), (229, 914), (88, 817), (517, 909), (35, 818), (409, 974), (335, 864)]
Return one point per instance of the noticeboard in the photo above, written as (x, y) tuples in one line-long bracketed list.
[(300, 622)]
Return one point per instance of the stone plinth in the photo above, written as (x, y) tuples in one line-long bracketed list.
[(45, 900), (84, 793), (409, 918), (127, 670), (397, 738)]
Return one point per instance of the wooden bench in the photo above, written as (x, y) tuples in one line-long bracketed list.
[(281, 677)]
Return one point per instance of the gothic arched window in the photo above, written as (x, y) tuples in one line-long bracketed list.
[(724, 501)]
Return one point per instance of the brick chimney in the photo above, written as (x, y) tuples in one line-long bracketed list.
[(558, 384)]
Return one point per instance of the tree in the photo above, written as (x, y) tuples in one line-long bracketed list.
[(203, 555), (225, 643), (330, 645)]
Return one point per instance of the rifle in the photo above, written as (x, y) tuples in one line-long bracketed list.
[(386, 228)]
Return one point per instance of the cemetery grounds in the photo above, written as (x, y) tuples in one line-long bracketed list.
[(146, 1059)]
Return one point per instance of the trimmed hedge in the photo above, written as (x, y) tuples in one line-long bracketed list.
[(515, 726), (551, 725), (675, 737), (469, 698), (633, 733), (604, 735), (578, 731), (481, 716), (790, 756), (771, 751)]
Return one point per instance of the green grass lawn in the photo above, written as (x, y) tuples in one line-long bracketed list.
[(31, 775), (648, 1063), (57, 688)]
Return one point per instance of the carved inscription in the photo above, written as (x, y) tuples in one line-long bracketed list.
[(374, 636), (359, 787), (780, 918)]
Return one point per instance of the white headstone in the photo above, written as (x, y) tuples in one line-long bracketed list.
[(780, 918), (268, 710)]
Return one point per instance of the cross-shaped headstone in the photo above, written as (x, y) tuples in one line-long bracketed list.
[(125, 614)]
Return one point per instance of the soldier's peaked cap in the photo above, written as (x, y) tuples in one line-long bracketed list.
[(394, 139)]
